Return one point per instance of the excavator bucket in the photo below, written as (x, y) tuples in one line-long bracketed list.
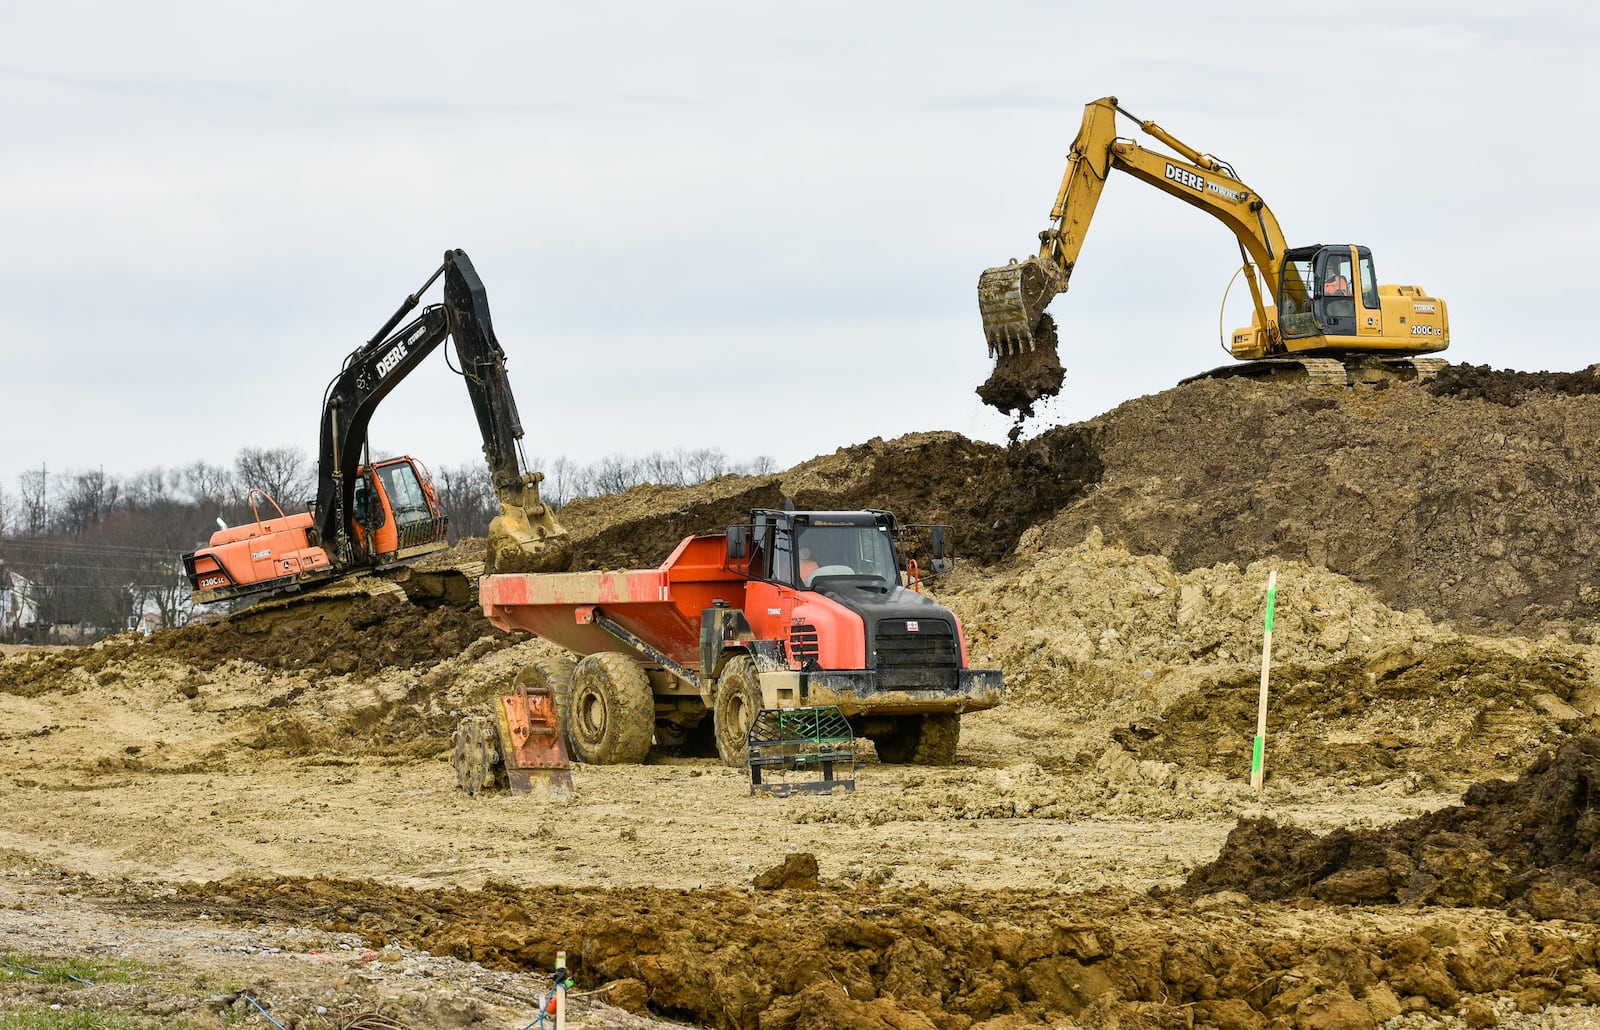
[(525, 536), (1012, 298)]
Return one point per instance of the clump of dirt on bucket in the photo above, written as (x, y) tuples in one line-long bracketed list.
[(1021, 378)]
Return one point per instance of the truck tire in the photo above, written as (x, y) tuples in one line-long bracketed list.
[(734, 704), (612, 715), (556, 674), (920, 740)]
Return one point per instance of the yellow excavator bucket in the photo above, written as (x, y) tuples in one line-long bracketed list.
[(1012, 298), (525, 536)]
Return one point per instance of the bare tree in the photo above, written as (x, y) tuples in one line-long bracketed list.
[(615, 473), (560, 482), (468, 497), (209, 486), (281, 471), (35, 487), (705, 464), (150, 487), (90, 496)]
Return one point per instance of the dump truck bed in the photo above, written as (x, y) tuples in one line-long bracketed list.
[(661, 606)]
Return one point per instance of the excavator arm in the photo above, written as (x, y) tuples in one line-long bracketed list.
[(525, 536), (1013, 297)]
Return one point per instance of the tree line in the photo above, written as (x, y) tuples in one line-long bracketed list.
[(103, 552)]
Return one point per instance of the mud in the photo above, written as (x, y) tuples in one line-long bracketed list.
[(1529, 846), (872, 959), (1509, 388), (1021, 379)]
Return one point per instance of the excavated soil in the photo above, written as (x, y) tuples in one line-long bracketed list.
[(1020, 379), (262, 810), (1530, 846)]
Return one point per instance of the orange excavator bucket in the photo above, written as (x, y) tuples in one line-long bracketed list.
[(1012, 298)]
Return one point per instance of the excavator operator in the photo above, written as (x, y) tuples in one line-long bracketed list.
[(1337, 285)]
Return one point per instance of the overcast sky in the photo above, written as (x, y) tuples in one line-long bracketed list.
[(687, 214)]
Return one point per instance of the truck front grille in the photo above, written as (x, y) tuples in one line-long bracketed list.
[(916, 644)]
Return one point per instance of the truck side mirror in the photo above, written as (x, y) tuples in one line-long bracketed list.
[(941, 563), (738, 542)]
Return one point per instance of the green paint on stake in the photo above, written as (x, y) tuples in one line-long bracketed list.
[(1258, 752)]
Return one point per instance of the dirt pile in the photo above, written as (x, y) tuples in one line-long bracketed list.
[(1468, 497), (1531, 845), (989, 494), (1469, 510), (353, 635), (1167, 665)]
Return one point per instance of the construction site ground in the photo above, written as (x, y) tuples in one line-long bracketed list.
[(259, 815)]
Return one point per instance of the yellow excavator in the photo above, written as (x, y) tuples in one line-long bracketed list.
[(1319, 309)]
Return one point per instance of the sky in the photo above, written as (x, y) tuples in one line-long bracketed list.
[(750, 227)]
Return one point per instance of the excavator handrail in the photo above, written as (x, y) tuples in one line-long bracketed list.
[(256, 510)]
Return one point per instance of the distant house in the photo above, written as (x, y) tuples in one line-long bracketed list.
[(19, 607)]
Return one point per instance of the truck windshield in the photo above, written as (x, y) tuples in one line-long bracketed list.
[(845, 551)]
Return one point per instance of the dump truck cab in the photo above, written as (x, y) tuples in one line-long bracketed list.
[(833, 621)]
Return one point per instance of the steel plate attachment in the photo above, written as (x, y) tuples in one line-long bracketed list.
[(530, 738), (512, 747)]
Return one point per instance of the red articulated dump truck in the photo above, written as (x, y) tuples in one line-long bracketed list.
[(792, 609)]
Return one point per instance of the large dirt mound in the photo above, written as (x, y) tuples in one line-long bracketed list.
[(1531, 845), (1469, 510), (1467, 497)]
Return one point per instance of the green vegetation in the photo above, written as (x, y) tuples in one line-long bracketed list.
[(68, 970)]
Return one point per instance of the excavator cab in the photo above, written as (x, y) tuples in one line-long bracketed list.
[(395, 511), (1329, 291)]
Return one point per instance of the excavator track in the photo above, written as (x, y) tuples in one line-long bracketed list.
[(1328, 371), (428, 587)]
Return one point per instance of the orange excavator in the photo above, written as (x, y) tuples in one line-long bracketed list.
[(376, 516)]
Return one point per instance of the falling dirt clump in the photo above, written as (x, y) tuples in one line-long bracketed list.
[(1021, 377), (1531, 845)]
